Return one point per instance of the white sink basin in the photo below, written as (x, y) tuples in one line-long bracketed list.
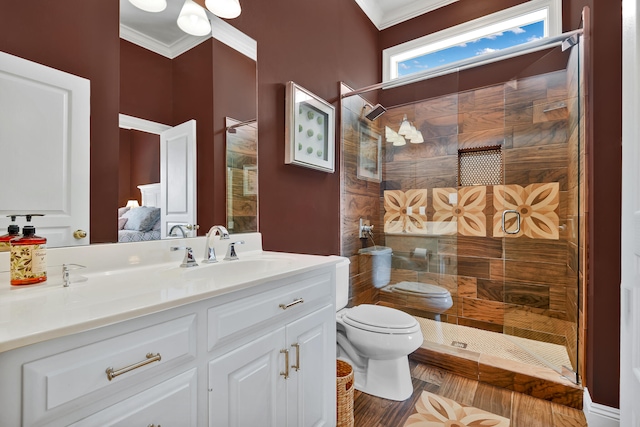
[(237, 270)]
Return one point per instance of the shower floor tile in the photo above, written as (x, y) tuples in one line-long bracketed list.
[(495, 344)]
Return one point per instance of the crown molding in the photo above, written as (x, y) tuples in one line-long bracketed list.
[(234, 38), (169, 51)]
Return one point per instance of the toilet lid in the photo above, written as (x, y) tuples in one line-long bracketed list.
[(378, 318), (421, 288)]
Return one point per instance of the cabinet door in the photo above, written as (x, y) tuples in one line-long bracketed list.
[(311, 394), (246, 388), (170, 403)]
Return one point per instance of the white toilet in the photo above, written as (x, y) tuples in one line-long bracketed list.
[(375, 340)]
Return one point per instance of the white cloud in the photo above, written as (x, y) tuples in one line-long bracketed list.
[(403, 66), (486, 50), (463, 45), (493, 36), (533, 38), (518, 30)]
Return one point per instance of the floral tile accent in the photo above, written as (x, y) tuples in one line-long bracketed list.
[(402, 211), (467, 217), (433, 410), (538, 208)]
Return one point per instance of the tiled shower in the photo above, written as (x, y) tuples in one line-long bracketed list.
[(514, 146)]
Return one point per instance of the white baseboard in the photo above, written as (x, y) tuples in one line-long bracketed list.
[(600, 415)]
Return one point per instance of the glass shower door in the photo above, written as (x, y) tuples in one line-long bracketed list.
[(537, 210)]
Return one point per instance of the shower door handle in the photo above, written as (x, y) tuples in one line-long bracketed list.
[(504, 214)]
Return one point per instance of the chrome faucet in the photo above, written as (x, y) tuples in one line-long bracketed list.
[(179, 227), (231, 251), (209, 251), (189, 260)]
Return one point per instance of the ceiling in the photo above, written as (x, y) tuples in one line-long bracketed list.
[(386, 13), (160, 33)]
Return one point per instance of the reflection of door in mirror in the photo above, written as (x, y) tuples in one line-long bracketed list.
[(242, 175), (44, 135), (156, 158)]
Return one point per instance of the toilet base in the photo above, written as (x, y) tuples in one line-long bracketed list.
[(388, 379)]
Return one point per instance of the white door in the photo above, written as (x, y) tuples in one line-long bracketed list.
[(178, 178), (246, 388), (630, 287), (311, 389), (44, 147)]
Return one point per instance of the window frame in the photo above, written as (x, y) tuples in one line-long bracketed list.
[(390, 55)]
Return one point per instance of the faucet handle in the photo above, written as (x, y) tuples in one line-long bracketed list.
[(189, 260), (66, 280), (210, 255), (231, 251)]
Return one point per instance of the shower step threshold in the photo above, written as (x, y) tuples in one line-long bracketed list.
[(540, 382)]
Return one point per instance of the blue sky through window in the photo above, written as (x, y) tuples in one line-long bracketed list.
[(483, 45)]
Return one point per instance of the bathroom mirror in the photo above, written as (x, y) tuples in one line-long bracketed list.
[(228, 100)]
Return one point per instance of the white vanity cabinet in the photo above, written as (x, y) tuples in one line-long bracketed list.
[(281, 374), (218, 361)]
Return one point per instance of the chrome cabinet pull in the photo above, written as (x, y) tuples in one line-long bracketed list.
[(297, 365), (111, 373), (291, 304), (153, 425), (504, 214), (285, 374)]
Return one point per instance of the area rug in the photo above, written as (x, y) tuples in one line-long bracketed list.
[(434, 411)]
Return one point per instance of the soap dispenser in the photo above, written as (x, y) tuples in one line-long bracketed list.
[(13, 232), (28, 257)]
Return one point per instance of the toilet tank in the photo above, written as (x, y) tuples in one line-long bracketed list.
[(376, 259), (342, 283)]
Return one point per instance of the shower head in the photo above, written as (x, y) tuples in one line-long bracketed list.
[(570, 42), (376, 111)]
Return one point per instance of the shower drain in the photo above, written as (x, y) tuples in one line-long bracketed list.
[(459, 344)]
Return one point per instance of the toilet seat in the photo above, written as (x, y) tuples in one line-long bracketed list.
[(380, 319), (425, 290)]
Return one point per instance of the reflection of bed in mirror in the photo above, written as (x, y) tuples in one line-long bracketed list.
[(139, 224)]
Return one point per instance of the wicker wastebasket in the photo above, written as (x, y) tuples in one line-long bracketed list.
[(344, 390)]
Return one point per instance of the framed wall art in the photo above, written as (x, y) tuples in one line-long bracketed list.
[(309, 130), (369, 155)]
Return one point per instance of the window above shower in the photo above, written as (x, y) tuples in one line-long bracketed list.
[(474, 40)]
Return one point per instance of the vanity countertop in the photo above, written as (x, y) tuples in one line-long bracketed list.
[(132, 280)]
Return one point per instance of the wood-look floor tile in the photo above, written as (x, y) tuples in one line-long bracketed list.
[(460, 389), (566, 416), (527, 411), (370, 411), (427, 373), (493, 399)]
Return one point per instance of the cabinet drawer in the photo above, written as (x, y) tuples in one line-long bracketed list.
[(170, 403), (228, 319), (54, 381)]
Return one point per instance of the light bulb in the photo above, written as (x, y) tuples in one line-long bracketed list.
[(227, 9), (150, 5), (193, 19), (405, 126), (417, 138)]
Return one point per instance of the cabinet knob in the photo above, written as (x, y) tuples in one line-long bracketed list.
[(79, 234)]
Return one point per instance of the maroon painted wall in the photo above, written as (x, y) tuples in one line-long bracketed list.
[(82, 38), (145, 83), (316, 45)]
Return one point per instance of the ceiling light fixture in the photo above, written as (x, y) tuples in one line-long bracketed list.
[(150, 5), (407, 131), (193, 19), (227, 9)]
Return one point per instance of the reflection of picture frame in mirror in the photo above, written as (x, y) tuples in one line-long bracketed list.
[(250, 180), (309, 130), (369, 154)]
